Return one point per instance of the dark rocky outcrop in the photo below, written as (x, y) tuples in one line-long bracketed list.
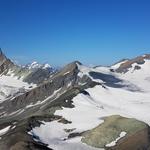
[(124, 67), (5, 63)]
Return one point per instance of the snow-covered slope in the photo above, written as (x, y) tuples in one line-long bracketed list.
[(139, 77), (101, 101), (11, 86)]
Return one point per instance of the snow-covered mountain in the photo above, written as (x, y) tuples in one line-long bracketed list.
[(81, 108), (36, 65), (15, 80)]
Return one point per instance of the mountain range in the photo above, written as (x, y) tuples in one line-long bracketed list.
[(76, 107)]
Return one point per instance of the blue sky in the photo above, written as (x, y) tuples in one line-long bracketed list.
[(60, 31)]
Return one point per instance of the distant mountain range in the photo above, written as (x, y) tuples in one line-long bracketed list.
[(76, 107)]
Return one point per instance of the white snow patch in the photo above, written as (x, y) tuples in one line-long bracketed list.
[(116, 66), (4, 130), (67, 72), (54, 135), (46, 66), (113, 143), (11, 86), (34, 65), (138, 77)]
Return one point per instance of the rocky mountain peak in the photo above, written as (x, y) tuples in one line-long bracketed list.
[(2, 56), (70, 68), (5, 63), (73, 64)]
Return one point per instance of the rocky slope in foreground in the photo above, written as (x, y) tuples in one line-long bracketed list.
[(78, 107)]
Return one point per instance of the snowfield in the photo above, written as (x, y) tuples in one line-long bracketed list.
[(54, 135), (139, 77), (11, 86), (89, 110)]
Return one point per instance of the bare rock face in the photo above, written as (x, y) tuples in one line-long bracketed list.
[(137, 141), (5, 63), (123, 68), (136, 135)]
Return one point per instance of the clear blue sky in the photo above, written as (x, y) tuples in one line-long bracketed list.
[(60, 31)]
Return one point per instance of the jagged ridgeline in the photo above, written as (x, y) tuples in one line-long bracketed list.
[(28, 74)]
